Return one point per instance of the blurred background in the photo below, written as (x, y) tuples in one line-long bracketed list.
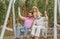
[(26, 5)]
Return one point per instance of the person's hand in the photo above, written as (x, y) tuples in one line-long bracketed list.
[(45, 12), (46, 15)]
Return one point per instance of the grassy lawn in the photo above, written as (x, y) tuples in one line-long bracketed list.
[(7, 33)]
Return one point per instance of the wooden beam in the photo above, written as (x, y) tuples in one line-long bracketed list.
[(11, 24), (25, 11), (46, 2)]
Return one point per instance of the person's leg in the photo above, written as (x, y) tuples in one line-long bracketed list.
[(36, 37), (37, 34), (38, 31), (18, 32), (33, 30), (44, 32), (25, 32)]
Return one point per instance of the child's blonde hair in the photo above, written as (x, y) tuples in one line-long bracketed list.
[(37, 10)]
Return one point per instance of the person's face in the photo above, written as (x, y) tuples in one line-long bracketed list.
[(34, 10), (30, 14)]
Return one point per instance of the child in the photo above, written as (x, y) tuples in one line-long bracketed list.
[(38, 24), (35, 11), (28, 21)]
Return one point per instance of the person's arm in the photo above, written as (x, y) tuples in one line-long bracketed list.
[(34, 15), (19, 14), (46, 16), (34, 23)]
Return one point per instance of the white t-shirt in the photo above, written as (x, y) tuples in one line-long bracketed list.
[(40, 21)]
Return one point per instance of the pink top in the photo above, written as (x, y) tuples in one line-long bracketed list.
[(28, 21)]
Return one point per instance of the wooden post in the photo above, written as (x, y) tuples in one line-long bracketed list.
[(6, 19), (55, 19), (46, 2), (11, 24), (25, 11)]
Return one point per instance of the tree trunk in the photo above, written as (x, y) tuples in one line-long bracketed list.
[(25, 9), (11, 24), (46, 2)]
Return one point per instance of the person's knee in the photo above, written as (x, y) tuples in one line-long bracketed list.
[(36, 37)]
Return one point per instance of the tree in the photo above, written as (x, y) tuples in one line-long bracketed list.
[(26, 6)]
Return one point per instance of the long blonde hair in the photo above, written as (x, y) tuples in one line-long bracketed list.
[(34, 7), (37, 10)]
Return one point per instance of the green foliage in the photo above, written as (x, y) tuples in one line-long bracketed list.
[(2, 12), (20, 3), (41, 4)]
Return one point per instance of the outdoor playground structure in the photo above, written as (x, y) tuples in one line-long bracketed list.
[(11, 5)]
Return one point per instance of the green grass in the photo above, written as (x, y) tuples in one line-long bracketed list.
[(7, 33)]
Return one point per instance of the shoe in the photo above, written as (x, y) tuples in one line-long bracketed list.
[(24, 37), (32, 38), (16, 38)]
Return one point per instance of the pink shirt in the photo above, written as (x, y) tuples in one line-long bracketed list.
[(28, 21)]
